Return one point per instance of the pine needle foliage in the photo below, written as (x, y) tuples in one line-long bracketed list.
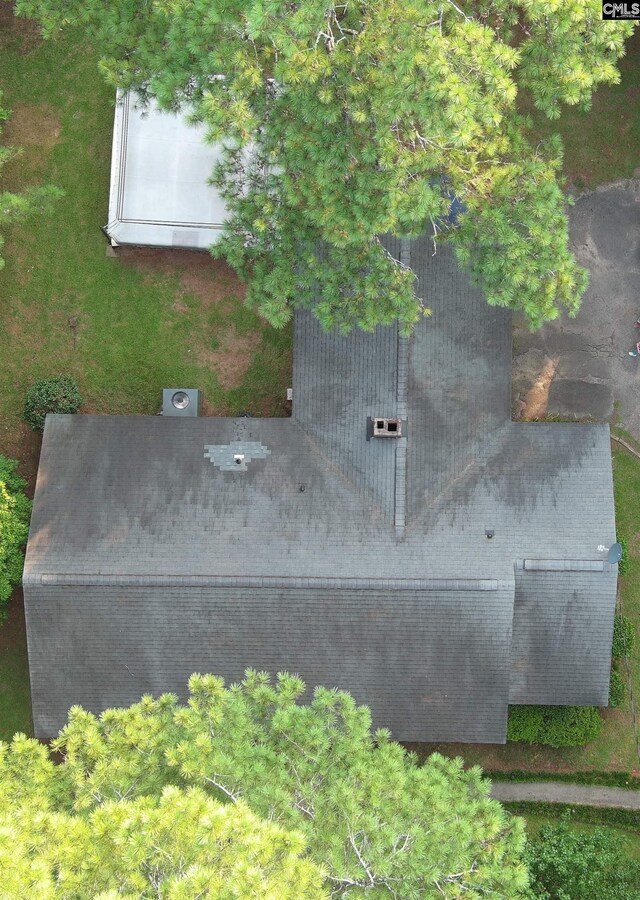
[(372, 820), (345, 121)]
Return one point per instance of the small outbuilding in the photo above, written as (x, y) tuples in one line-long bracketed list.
[(160, 169)]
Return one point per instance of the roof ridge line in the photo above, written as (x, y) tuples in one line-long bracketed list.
[(400, 490), (259, 581)]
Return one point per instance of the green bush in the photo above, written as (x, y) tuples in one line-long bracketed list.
[(525, 724), (567, 864), (15, 510), (624, 637), (616, 689), (556, 726), (623, 565), (51, 395)]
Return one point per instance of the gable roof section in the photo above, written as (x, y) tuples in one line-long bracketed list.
[(358, 531), (562, 633), (137, 498), (426, 663)]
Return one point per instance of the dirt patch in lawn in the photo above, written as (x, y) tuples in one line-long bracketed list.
[(232, 358), (537, 399), (12, 630), (211, 280), (12, 28), (33, 124), (632, 95)]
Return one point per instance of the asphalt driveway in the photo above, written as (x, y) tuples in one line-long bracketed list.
[(561, 792), (580, 368)]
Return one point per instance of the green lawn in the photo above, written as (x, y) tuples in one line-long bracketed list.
[(15, 697), (603, 144), (626, 836), (141, 323), (627, 489)]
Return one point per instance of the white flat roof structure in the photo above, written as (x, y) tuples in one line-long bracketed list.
[(160, 165)]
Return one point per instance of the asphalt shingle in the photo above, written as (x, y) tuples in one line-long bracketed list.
[(435, 575)]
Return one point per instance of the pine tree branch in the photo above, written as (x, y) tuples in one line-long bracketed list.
[(361, 860), (457, 9), (213, 780)]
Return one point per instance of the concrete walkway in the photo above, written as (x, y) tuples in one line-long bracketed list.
[(561, 792), (580, 368)]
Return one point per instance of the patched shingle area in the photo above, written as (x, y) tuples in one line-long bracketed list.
[(235, 457)]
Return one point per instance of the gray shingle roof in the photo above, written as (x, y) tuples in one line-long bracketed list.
[(110, 643), (551, 662), (362, 563)]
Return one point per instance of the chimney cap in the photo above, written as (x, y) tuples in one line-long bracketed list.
[(384, 426)]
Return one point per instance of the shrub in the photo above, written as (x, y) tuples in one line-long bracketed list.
[(624, 637), (51, 395), (15, 510), (525, 724), (571, 726), (556, 726), (623, 565), (567, 864), (616, 689)]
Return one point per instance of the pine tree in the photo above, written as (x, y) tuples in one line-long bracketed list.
[(345, 121), (374, 821)]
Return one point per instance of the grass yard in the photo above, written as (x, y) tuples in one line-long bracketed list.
[(603, 144), (15, 697), (627, 836), (123, 327)]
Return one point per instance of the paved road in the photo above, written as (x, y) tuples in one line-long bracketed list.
[(560, 792), (581, 365)]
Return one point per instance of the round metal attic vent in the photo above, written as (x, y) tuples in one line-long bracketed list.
[(180, 400)]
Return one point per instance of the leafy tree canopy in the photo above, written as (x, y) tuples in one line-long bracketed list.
[(376, 823), (15, 511), (571, 865), (16, 208), (347, 120)]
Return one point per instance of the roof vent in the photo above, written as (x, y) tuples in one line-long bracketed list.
[(615, 553), (383, 427), (181, 402)]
